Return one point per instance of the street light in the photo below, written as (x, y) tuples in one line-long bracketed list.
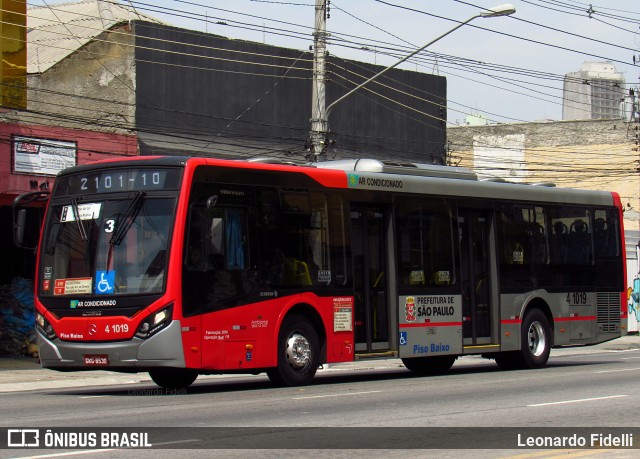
[(320, 125)]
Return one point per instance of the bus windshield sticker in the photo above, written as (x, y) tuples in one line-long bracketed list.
[(72, 286), (443, 278), (87, 212), (324, 276), (416, 277), (105, 281)]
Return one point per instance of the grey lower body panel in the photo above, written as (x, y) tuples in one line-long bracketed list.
[(163, 349)]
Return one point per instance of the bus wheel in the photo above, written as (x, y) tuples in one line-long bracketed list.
[(173, 378), (429, 365), (298, 353), (535, 340)]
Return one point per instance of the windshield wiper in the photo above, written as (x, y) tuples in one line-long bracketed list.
[(76, 212), (125, 220)]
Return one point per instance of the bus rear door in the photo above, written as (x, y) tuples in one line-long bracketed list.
[(369, 225), (477, 267)]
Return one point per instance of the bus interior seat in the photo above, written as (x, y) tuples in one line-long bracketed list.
[(559, 243), (579, 226), (296, 272), (579, 243), (601, 237)]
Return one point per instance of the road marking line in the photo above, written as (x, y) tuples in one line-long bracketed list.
[(336, 395), (616, 371), (578, 401), (93, 396)]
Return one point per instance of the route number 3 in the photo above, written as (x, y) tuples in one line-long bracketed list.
[(109, 226)]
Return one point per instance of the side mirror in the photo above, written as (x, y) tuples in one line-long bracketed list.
[(20, 207), (18, 227), (212, 201)]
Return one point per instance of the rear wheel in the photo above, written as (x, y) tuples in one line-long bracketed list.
[(298, 353), (429, 365), (173, 378), (535, 339), (535, 344)]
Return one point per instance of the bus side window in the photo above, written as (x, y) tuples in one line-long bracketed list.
[(235, 240), (425, 244), (605, 235), (536, 244), (579, 250), (559, 243)]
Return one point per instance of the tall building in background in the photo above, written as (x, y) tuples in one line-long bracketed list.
[(595, 92)]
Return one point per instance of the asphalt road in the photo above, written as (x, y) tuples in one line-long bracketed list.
[(597, 389)]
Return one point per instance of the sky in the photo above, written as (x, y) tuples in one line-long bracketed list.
[(508, 69)]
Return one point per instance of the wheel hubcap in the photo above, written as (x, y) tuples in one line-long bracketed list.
[(537, 339), (298, 351)]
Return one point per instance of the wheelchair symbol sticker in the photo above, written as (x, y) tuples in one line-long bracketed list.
[(105, 281), (403, 338)]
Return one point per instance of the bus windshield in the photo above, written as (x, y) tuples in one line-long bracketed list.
[(116, 247)]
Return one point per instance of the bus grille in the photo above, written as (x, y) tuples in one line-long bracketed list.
[(608, 311)]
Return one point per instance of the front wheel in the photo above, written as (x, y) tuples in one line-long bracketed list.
[(298, 353), (173, 378)]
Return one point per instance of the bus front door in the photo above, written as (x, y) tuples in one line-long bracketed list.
[(475, 230), (369, 249)]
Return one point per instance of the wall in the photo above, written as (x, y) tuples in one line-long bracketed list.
[(212, 95), (91, 146), (93, 88)]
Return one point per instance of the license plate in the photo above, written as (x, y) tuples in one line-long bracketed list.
[(96, 360)]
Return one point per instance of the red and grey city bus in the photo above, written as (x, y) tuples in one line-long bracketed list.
[(181, 266)]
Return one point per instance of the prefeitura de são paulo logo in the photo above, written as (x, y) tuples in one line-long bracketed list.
[(410, 309)]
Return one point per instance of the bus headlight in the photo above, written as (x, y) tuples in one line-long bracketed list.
[(44, 326), (155, 322)]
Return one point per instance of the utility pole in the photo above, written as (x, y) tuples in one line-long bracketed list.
[(319, 111), (319, 124)]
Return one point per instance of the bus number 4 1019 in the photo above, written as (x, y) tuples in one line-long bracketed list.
[(577, 298)]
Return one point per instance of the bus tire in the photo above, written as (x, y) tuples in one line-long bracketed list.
[(298, 353), (173, 378), (535, 339), (430, 365)]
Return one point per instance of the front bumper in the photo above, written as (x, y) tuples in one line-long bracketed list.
[(163, 349)]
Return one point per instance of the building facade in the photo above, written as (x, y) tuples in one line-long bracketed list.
[(595, 92)]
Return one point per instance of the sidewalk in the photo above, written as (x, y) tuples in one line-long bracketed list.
[(20, 374)]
